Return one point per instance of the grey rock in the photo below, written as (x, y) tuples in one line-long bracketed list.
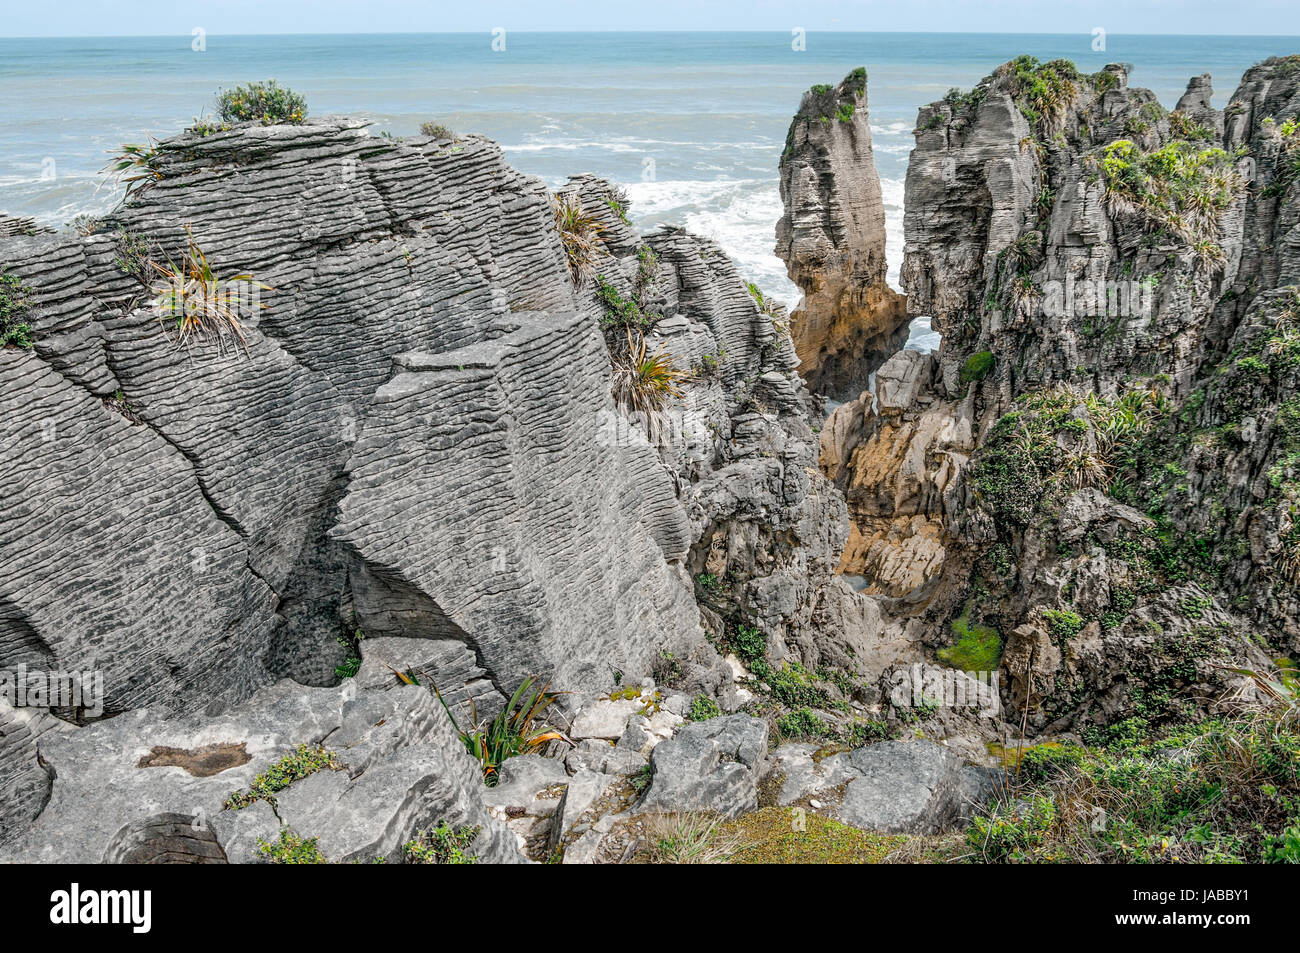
[(912, 787), (711, 766), (400, 770)]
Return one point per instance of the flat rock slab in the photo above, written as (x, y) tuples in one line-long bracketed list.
[(710, 766), (119, 786), (911, 787)]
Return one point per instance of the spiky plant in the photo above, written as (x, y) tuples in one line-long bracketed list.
[(643, 383), (193, 302), (520, 728), (136, 166), (580, 235)]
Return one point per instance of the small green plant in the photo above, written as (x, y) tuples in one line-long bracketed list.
[(580, 237), (749, 644), (703, 708), (436, 130), (304, 761), (268, 103), (520, 728), (292, 849), (619, 208), (1063, 624), (643, 383), (136, 166), (15, 312), (803, 723), (351, 663), (190, 297), (442, 844)]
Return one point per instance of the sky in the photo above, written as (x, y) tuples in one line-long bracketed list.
[(168, 17)]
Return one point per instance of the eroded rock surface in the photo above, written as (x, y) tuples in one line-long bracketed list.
[(832, 239)]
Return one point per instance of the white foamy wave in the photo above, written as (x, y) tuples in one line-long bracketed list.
[(739, 214), (891, 191), (921, 337)]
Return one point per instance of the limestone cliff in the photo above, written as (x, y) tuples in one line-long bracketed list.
[(1089, 459), (832, 239), (407, 437)]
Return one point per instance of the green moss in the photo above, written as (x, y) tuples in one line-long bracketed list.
[(773, 836), (977, 367), (978, 648), (1063, 624)]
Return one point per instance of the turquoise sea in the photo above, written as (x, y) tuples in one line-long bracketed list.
[(691, 123)]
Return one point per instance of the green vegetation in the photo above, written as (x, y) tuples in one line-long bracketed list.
[(436, 130), (351, 663), (1179, 188), (304, 761), (520, 728), (803, 723), (268, 103), (1225, 791), (15, 313), (291, 849), (687, 839), (579, 236), (620, 312), (136, 166), (643, 383), (780, 835), (750, 646), (1063, 624), (1023, 464), (703, 708), (977, 367), (978, 647), (1043, 91), (442, 844), (619, 208), (197, 303)]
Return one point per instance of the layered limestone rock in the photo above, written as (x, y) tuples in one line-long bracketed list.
[(1086, 462), (767, 528), (832, 239), (145, 789), (407, 439)]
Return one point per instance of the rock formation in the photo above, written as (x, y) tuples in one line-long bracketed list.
[(832, 239), (407, 439), (430, 453), (1086, 459)]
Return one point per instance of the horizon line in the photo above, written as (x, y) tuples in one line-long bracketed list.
[(783, 32)]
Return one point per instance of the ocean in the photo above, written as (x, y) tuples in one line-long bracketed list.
[(692, 124)]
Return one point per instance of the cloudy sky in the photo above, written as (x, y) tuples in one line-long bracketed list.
[(141, 17)]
